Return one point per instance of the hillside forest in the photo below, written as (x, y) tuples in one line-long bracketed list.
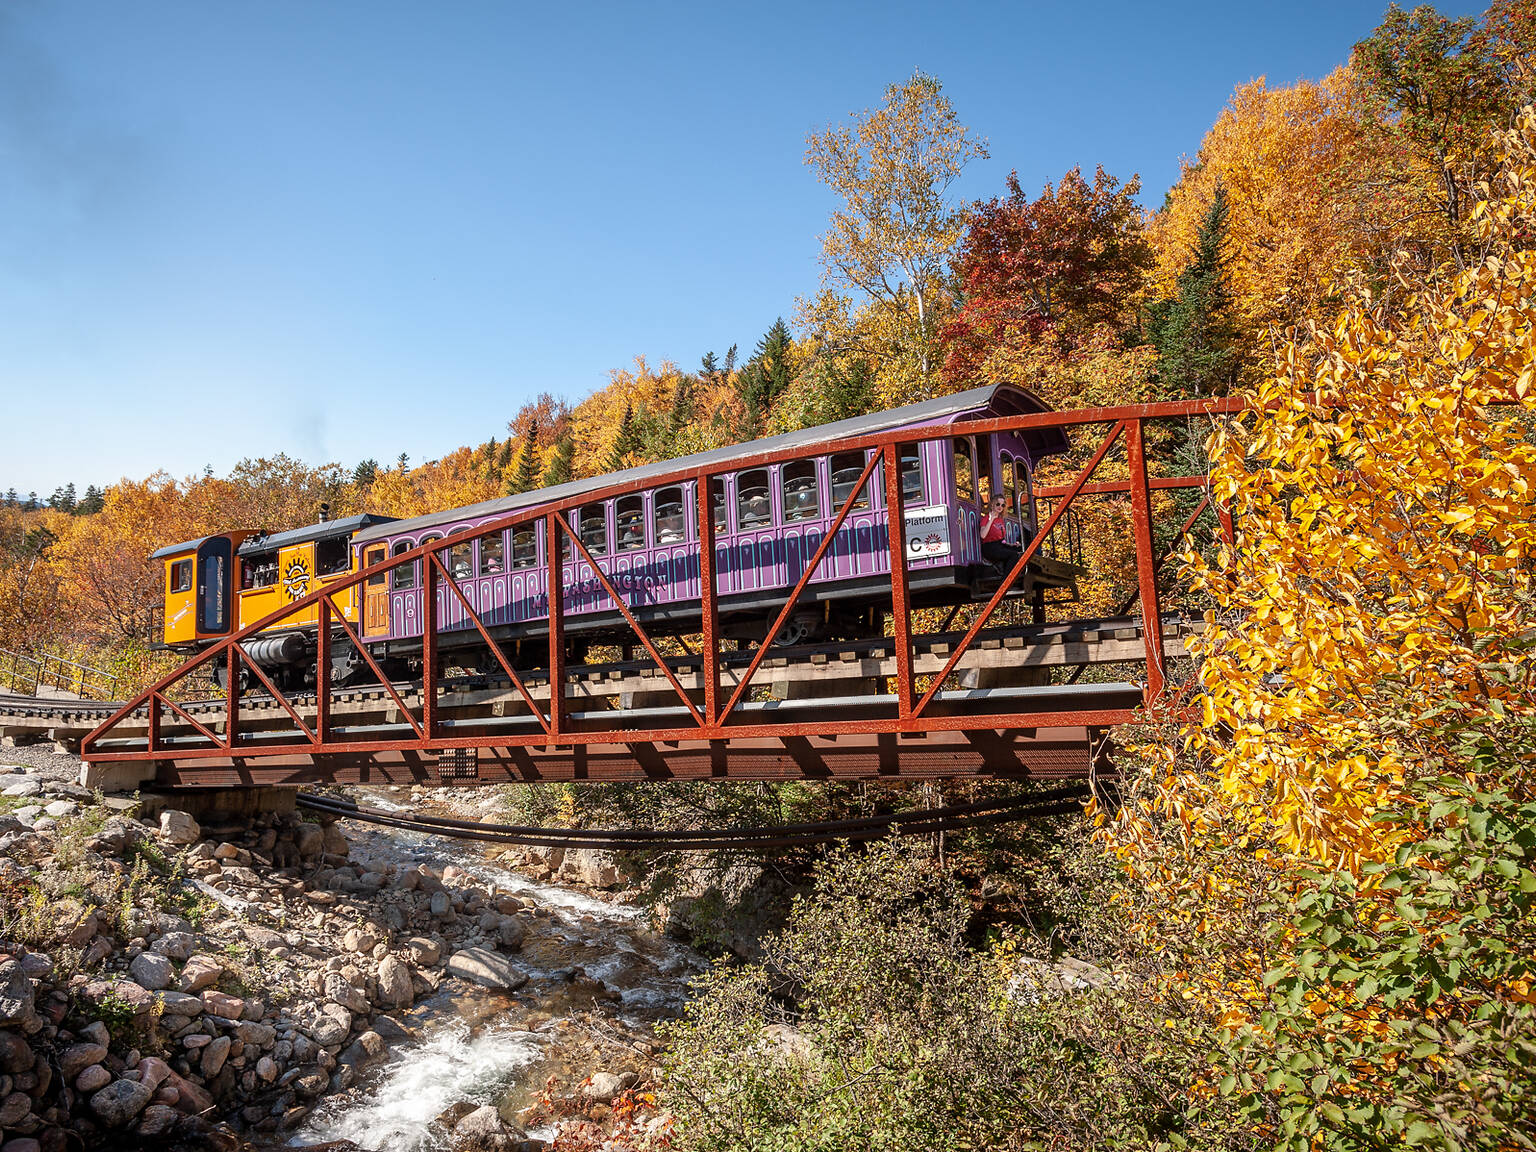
[(1307, 922)]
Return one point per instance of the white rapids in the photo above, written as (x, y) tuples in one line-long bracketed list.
[(421, 1082)]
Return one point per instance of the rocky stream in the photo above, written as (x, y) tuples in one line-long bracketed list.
[(282, 982)]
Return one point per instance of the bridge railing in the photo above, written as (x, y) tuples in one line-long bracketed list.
[(711, 711), (34, 674)]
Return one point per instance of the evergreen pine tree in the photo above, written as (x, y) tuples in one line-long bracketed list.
[(365, 473), (31, 505), (682, 404), (1194, 334), (11, 498), (625, 443), (766, 377), (561, 461), (93, 501), (404, 462), (526, 476)]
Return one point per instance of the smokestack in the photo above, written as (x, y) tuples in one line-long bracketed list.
[(325, 511)]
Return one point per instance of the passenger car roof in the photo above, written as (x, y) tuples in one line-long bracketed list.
[(999, 397)]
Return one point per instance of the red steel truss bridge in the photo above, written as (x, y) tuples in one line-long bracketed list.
[(999, 697)]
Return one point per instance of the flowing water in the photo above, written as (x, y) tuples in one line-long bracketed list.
[(599, 979)]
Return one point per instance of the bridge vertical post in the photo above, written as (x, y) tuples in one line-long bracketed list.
[(901, 603), (1146, 559), (232, 696), (323, 668), (556, 600), (152, 729), (428, 647), (710, 613)]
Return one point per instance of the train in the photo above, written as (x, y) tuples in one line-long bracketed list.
[(768, 522)]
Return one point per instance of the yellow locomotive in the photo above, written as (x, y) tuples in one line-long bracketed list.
[(218, 584)]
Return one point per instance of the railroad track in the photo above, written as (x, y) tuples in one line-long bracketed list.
[(1001, 659)]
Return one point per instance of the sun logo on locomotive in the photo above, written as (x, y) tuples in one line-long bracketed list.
[(295, 579)]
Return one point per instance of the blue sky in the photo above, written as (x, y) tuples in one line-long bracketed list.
[(355, 229)]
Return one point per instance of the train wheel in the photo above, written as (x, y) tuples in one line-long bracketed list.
[(798, 629)]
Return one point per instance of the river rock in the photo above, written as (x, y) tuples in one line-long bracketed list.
[(14, 1109), (15, 994), (329, 1026), (15, 1053), (157, 1120), (339, 990), (120, 993), (481, 1128), (77, 1057), (424, 951), (358, 940), (29, 787), (93, 1078), (214, 1056), (61, 808), (177, 946), (179, 1003), (487, 968), (152, 970), (223, 1004), (604, 1086), (119, 1103), (509, 930), (364, 1052), (179, 828), (395, 990), (201, 972)]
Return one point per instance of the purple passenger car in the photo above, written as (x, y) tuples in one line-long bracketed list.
[(768, 524)]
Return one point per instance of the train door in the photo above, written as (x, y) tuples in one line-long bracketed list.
[(375, 594)]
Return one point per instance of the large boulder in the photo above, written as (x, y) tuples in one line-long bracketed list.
[(179, 828), (487, 968), (395, 990)]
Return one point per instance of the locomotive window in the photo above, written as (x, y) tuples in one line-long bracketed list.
[(965, 470), (331, 556), (594, 527), (802, 495), (461, 558), (403, 576), (259, 571), (1010, 496), (181, 576), (984, 471), (753, 507), (525, 548), (911, 475), (718, 505), (629, 522), (492, 549), (847, 467), (371, 557), (671, 525)]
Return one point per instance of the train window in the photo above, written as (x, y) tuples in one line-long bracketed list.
[(331, 556), (671, 523), (525, 548), (1005, 470), (753, 507), (965, 470), (846, 468), (984, 471), (911, 475), (432, 539), (718, 505), (181, 576), (629, 522), (493, 547), (372, 556), (461, 559), (259, 571), (403, 575), (1026, 489), (802, 492), (593, 527)]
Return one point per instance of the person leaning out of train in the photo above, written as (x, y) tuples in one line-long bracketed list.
[(995, 548)]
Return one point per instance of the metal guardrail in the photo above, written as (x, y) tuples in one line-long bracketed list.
[(34, 675)]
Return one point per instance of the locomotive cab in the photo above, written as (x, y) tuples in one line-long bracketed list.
[(198, 589)]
